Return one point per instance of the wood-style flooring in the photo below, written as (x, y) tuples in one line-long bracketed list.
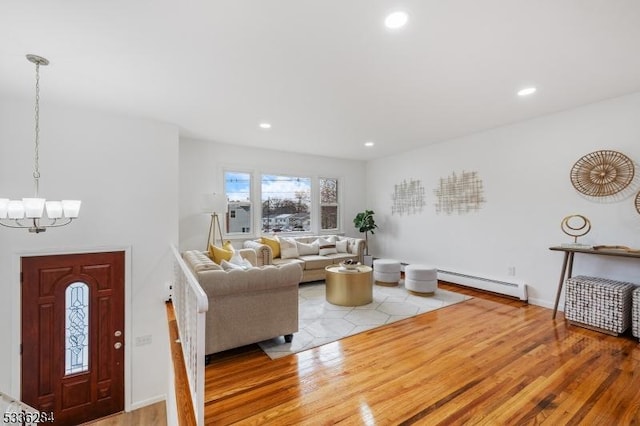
[(489, 361), (154, 414)]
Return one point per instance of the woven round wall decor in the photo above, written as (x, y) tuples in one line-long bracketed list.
[(638, 203), (602, 173)]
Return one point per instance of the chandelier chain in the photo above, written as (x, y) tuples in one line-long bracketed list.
[(36, 168)]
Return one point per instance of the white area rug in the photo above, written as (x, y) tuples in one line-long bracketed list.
[(321, 322)]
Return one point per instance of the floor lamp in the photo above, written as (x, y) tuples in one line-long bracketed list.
[(213, 203)]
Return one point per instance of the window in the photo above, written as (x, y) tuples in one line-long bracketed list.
[(76, 359), (328, 203), (286, 203), (237, 187)]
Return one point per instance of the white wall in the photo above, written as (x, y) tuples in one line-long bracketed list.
[(125, 171), (201, 171), (525, 170)]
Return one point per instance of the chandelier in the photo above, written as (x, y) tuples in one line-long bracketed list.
[(29, 212)]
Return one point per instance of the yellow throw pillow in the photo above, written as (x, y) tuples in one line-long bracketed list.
[(273, 243), (218, 254)]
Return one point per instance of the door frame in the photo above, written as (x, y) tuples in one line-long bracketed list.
[(16, 315)]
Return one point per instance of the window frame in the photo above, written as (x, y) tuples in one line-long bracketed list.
[(336, 204), (255, 203), (251, 195), (260, 178)]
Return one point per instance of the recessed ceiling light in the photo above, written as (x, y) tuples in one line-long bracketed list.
[(369, 143), (265, 125), (527, 91), (396, 20)]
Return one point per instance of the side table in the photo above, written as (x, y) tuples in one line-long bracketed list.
[(349, 287)]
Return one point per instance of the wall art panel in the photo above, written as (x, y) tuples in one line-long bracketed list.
[(408, 197), (459, 193)]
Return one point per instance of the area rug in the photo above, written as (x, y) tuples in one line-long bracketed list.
[(321, 322)]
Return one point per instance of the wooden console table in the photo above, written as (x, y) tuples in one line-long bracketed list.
[(567, 264)]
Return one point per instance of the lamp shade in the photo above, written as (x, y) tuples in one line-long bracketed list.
[(4, 207), (54, 209), (15, 209), (213, 202), (33, 207), (71, 208)]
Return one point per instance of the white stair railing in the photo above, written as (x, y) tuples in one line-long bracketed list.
[(191, 304)]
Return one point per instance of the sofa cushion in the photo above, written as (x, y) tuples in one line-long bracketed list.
[(326, 247), (288, 248), (306, 249), (280, 262), (339, 257), (273, 243), (314, 261)]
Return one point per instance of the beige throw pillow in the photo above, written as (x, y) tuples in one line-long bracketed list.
[(341, 246), (308, 249), (288, 248), (326, 247)]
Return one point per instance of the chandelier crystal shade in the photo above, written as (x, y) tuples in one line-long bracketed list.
[(30, 211)]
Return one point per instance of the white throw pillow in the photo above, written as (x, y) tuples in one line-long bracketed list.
[(353, 246), (308, 249), (288, 248), (236, 259), (326, 247), (341, 246), (227, 266), (244, 265)]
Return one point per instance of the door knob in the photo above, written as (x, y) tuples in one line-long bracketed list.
[(118, 333), (117, 345)]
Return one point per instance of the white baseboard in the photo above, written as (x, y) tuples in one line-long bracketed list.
[(148, 401)]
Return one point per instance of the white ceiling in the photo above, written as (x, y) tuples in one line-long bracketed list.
[(326, 73)]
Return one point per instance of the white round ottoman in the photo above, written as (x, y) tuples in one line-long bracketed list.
[(421, 279), (386, 272)]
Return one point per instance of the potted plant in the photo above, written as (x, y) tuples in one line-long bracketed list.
[(365, 222)]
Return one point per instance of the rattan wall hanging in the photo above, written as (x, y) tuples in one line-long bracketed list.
[(638, 203), (602, 173)]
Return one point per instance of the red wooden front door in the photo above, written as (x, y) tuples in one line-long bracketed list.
[(73, 335)]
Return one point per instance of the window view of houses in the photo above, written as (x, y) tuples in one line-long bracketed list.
[(286, 203), (237, 186)]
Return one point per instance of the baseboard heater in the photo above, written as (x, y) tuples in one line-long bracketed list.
[(508, 288)]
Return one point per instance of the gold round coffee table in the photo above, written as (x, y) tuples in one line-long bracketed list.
[(346, 287)]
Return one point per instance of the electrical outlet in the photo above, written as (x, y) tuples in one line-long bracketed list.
[(169, 289), (143, 340)]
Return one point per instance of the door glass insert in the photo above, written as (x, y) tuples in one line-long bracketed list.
[(76, 328)]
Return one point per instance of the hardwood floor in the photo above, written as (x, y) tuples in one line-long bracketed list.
[(154, 414), (489, 360)]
